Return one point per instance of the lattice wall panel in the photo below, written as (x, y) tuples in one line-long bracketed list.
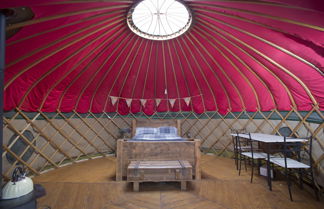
[(61, 139), (58, 139)]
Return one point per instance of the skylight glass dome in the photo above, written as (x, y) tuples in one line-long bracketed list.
[(159, 19)]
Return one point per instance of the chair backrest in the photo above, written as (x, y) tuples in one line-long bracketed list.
[(301, 151), (236, 139), (238, 131), (286, 131), (306, 152)]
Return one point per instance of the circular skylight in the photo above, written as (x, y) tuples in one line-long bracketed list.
[(159, 19)]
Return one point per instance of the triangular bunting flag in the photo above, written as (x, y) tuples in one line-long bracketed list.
[(143, 102), (172, 101), (157, 102), (128, 102), (113, 100), (187, 100)]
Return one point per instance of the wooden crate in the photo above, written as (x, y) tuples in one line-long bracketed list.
[(159, 171)]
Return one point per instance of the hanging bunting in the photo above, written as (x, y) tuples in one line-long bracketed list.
[(172, 101), (187, 100), (157, 102), (143, 102), (128, 102), (113, 100)]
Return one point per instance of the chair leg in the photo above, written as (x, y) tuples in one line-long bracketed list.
[(235, 153), (269, 169), (314, 186), (236, 159), (300, 172), (240, 164), (245, 163), (259, 165), (252, 169), (288, 183)]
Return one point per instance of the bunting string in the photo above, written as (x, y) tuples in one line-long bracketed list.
[(172, 101)]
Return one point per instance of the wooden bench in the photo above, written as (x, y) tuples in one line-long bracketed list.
[(159, 171)]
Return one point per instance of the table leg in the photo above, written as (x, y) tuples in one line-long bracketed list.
[(269, 170), (135, 186), (183, 185), (236, 152), (259, 165)]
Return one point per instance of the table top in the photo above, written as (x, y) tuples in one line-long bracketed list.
[(268, 138)]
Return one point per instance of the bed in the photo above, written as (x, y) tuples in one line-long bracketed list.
[(157, 148)]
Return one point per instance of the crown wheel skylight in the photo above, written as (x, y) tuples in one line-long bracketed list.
[(159, 19)]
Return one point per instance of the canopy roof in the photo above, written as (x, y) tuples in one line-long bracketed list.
[(238, 55)]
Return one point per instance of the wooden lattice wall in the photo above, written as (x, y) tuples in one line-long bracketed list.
[(64, 138)]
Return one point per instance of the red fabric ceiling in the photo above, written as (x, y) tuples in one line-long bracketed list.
[(238, 55)]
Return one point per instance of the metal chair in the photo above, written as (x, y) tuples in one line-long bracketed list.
[(236, 148), (254, 153), (297, 157)]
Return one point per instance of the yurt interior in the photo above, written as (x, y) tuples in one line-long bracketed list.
[(160, 104)]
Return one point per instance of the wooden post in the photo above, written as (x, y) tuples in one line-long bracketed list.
[(179, 127), (119, 160), (2, 66), (133, 127), (197, 157)]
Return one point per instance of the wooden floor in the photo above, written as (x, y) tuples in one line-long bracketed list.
[(91, 185)]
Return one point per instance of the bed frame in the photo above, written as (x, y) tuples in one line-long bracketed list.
[(128, 151)]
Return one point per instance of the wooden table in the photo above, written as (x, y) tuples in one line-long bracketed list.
[(159, 171)]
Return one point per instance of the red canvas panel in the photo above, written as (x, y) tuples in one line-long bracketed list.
[(237, 55)]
